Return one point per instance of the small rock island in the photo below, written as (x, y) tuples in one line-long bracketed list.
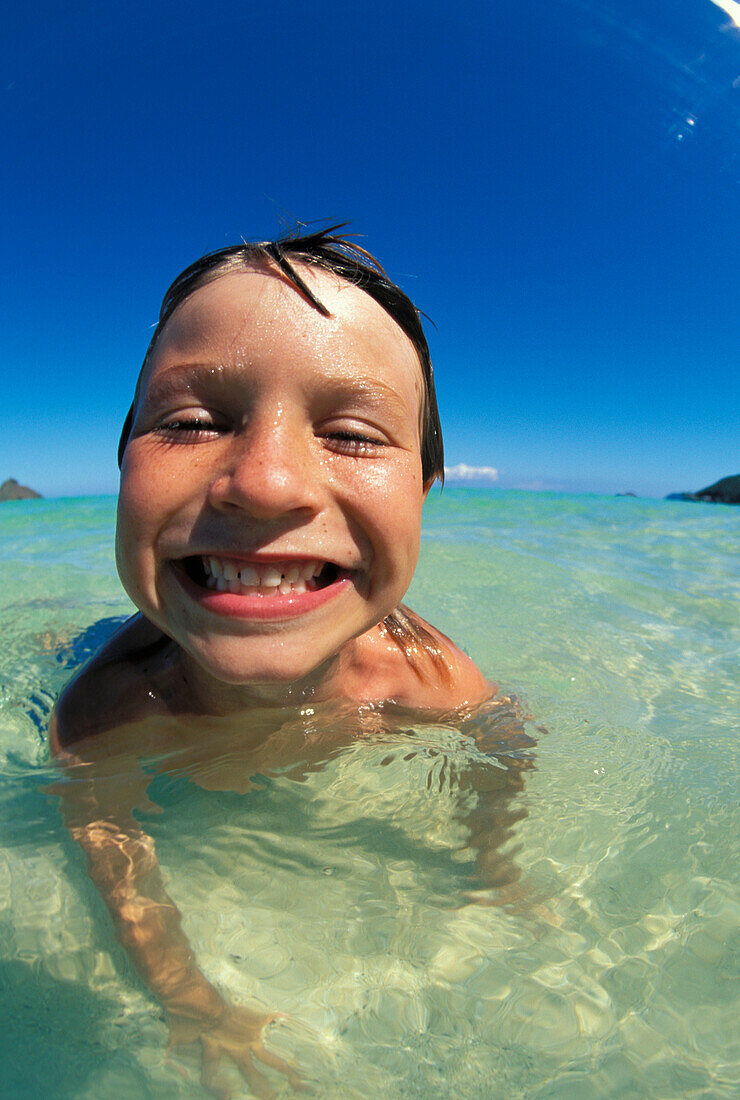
[(11, 490), (724, 491)]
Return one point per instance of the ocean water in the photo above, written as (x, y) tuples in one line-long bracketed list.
[(351, 894)]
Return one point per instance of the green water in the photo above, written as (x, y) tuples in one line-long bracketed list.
[(348, 897)]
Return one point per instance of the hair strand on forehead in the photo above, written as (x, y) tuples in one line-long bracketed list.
[(273, 249)]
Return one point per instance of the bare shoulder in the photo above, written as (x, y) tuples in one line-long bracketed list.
[(459, 681), (420, 668), (111, 689)]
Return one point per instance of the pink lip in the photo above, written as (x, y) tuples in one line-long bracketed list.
[(256, 608)]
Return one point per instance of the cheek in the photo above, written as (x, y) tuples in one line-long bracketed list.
[(137, 521), (136, 472), (128, 545), (387, 502), (134, 513), (152, 486)]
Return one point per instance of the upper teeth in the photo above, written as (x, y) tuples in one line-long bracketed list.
[(290, 576)]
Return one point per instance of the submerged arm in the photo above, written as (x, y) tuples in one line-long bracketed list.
[(491, 824), (502, 736), (123, 865), (98, 803)]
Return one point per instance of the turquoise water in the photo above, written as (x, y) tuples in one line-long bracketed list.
[(348, 896)]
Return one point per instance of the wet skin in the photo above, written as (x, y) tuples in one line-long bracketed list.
[(268, 435)]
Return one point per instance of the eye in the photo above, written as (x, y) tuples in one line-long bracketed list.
[(190, 427), (353, 442)]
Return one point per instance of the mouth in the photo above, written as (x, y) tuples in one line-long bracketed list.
[(265, 580)]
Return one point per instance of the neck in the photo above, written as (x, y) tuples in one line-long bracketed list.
[(202, 694)]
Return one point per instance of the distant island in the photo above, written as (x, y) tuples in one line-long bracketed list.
[(724, 491), (11, 490)]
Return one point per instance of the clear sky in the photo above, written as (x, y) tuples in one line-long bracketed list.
[(555, 185)]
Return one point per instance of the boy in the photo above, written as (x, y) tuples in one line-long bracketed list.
[(282, 439)]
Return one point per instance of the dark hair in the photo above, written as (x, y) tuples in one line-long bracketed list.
[(333, 252)]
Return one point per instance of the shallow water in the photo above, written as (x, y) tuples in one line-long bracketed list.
[(348, 896)]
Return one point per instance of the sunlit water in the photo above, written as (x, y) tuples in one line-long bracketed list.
[(348, 896)]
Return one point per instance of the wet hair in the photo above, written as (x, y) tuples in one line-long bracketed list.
[(328, 250)]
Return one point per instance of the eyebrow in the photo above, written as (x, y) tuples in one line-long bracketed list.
[(183, 376), (367, 391)]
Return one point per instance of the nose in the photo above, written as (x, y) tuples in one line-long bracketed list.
[(267, 472)]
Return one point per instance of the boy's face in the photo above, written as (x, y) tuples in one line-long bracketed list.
[(272, 442)]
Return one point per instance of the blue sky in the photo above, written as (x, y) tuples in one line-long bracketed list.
[(556, 186)]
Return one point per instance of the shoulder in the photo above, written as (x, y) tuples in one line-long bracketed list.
[(111, 689), (459, 682), (409, 662)]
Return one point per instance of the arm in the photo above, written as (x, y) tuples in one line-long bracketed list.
[(498, 731), (97, 804), (491, 824), (123, 865)]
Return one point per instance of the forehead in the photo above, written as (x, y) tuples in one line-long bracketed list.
[(246, 316)]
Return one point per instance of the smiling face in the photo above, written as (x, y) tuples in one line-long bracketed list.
[(271, 490)]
